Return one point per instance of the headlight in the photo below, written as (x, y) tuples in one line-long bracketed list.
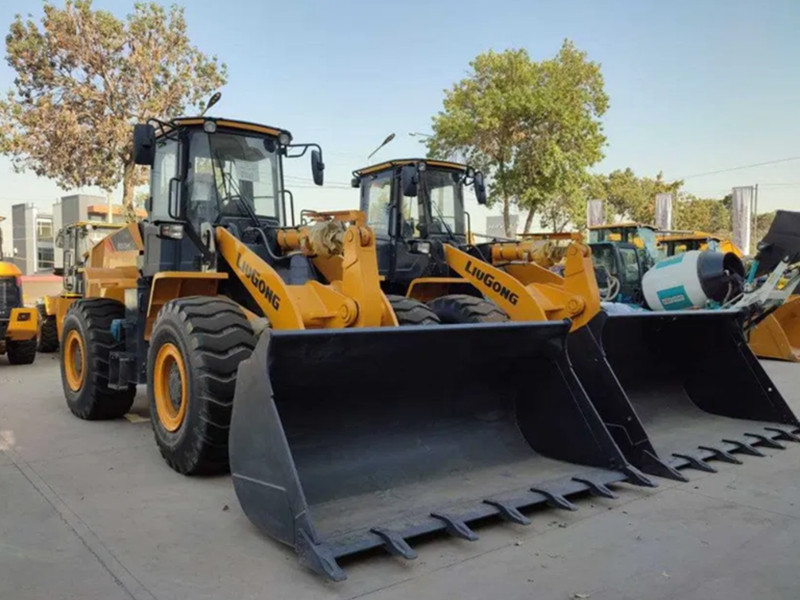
[(285, 139), (423, 247), (24, 317), (171, 230), (210, 126)]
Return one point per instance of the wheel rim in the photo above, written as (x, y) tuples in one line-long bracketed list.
[(170, 387), (74, 360)]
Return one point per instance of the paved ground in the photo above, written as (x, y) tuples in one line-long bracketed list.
[(89, 510)]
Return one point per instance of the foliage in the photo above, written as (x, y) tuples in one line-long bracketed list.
[(629, 197), (532, 127), (701, 214), (84, 77)]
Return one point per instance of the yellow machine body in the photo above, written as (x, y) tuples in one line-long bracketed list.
[(778, 336)]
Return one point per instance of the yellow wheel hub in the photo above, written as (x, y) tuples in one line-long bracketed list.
[(170, 387), (74, 360)]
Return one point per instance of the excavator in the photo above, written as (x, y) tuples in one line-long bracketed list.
[(348, 418), (676, 389)]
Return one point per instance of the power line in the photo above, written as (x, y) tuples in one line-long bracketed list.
[(761, 164)]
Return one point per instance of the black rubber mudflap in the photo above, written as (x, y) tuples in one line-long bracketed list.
[(694, 384), (347, 440)]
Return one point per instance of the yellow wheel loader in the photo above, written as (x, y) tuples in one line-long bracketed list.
[(76, 241), (671, 243), (777, 336), (675, 389), (18, 325), (271, 348), (777, 331)]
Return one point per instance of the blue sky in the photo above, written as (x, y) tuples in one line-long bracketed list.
[(695, 86)]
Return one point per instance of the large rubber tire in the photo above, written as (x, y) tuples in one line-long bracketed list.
[(412, 312), (48, 332), (21, 353), (87, 332), (461, 308), (195, 351)]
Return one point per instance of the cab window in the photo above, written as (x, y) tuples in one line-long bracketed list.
[(629, 266), (165, 167), (377, 197), (410, 218)]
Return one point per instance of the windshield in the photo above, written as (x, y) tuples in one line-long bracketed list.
[(9, 295), (444, 188), (227, 171)]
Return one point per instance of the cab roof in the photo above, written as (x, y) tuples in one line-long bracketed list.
[(625, 225), (399, 162), (228, 123), (694, 235)]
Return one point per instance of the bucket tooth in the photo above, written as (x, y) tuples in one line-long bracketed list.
[(783, 434), (721, 455), (395, 544), (456, 527), (318, 558), (654, 465), (636, 477), (554, 499), (766, 441), (696, 462), (597, 489), (744, 447), (509, 512)]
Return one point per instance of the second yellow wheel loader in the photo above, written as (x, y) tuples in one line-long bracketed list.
[(675, 389), (18, 325), (272, 349), (76, 241)]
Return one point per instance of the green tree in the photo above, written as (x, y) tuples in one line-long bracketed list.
[(629, 197), (702, 214), (84, 77), (532, 127)]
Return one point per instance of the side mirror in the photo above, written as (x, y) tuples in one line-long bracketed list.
[(408, 180), (317, 167), (144, 144), (355, 182), (480, 188)]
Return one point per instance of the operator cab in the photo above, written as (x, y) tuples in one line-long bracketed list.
[(209, 172), (642, 236), (414, 206), (673, 244), (619, 271)]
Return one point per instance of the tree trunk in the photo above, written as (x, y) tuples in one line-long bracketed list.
[(507, 216), (506, 202), (128, 172), (529, 220)]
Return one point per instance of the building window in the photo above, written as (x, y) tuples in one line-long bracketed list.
[(44, 230), (44, 259)]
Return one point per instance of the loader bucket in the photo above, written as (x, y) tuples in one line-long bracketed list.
[(347, 440), (778, 335), (695, 385)]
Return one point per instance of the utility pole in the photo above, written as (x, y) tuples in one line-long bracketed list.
[(755, 214)]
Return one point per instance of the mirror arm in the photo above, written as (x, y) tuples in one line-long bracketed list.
[(304, 147)]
